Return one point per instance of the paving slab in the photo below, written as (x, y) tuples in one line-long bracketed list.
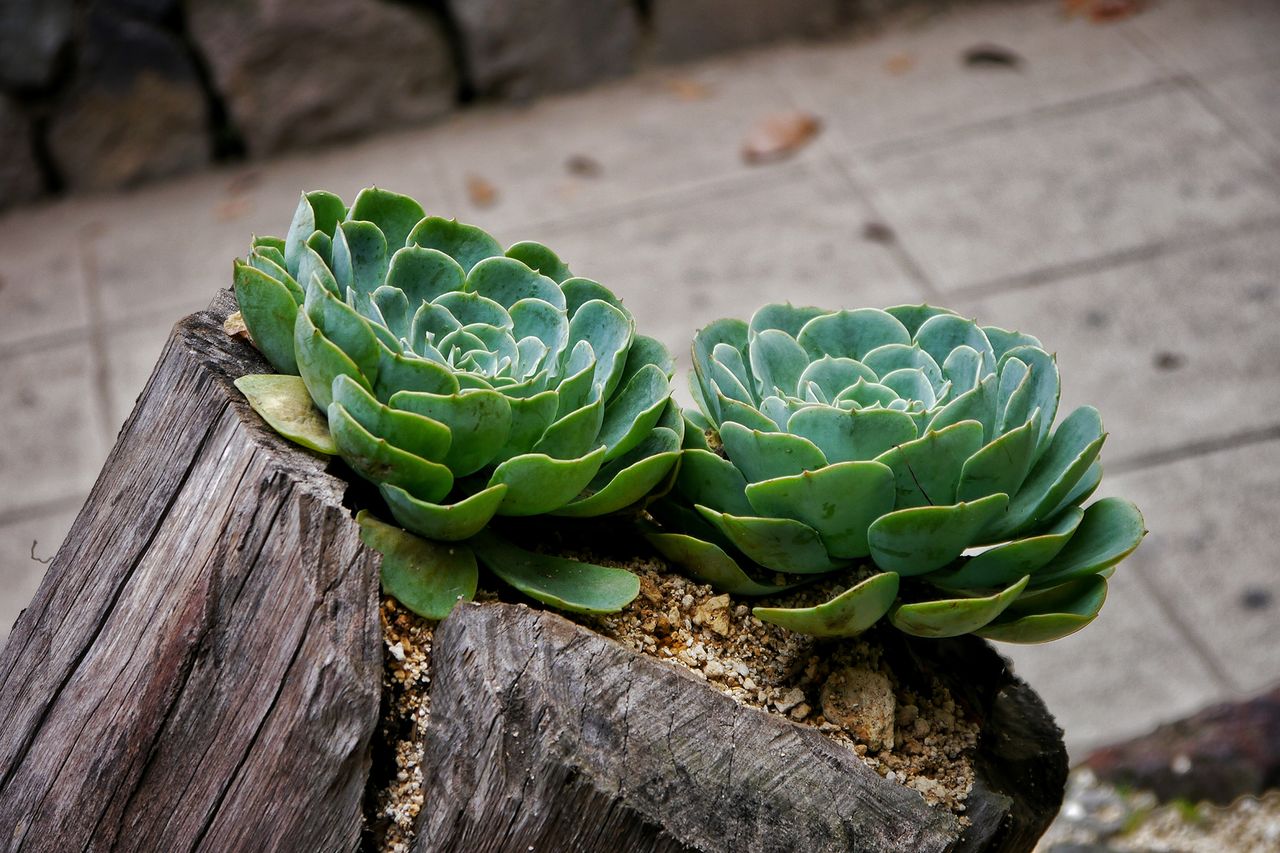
[(1212, 553), (20, 572), (685, 263), (41, 289), (170, 247), (131, 354), (915, 83), (1174, 350), (1205, 35), (1071, 188), (1251, 97), (53, 444), (1126, 673), (609, 147)]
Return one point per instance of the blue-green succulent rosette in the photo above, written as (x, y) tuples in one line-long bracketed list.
[(912, 442), (466, 382)]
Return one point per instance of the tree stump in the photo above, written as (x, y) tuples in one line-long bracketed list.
[(200, 670)]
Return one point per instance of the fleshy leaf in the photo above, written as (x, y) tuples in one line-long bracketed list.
[(927, 470), (709, 563), (713, 481), (270, 312), (1110, 531), (852, 436), (284, 403), (507, 281), (781, 544), (427, 577), (538, 257), (480, 422), (564, 584), (847, 615), (377, 460), (446, 522), (1003, 564), (1073, 448), (405, 430), (624, 481), (839, 501), (394, 214), (851, 334), (921, 539), (320, 362), (765, 455), (538, 484), (1049, 615), (424, 274), (466, 244), (954, 616)]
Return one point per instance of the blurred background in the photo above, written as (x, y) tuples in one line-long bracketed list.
[(1104, 174)]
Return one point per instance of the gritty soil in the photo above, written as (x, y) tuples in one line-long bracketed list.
[(847, 690)]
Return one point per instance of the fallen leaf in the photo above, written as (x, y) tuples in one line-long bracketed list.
[(1104, 11), (878, 232), (688, 89), (899, 63), (779, 136), (233, 208), (481, 192), (235, 327), (583, 166), (991, 56), (243, 181)]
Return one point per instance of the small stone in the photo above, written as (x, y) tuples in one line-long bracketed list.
[(800, 711), (861, 702), (397, 650), (650, 591), (714, 614), (789, 700), (713, 668)]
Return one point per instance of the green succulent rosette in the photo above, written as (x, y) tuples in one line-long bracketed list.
[(465, 382), (911, 439)]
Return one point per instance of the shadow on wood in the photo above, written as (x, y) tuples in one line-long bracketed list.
[(200, 670)]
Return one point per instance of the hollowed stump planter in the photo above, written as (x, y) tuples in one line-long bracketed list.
[(200, 670)]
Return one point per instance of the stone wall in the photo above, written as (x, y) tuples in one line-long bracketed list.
[(101, 94)]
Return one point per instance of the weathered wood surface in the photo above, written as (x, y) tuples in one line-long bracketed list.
[(547, 736), (200, 667), (200, 670)]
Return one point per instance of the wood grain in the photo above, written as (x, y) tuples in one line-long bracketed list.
[(200, 667)]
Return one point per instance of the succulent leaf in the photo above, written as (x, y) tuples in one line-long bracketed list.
[(952, 617), (910, 435), (463, 381), (283, 402), (847, 615), (563, 584), (427, 577)]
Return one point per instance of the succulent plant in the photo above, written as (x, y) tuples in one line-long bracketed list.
[(465, 382), (910, 436)]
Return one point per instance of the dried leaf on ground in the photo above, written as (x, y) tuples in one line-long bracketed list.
[(779, 136), (991, 56), (583, 166), (480, 191), (233, 208), (1103, 11), (688, 89), (878, 232), (899, 63)]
